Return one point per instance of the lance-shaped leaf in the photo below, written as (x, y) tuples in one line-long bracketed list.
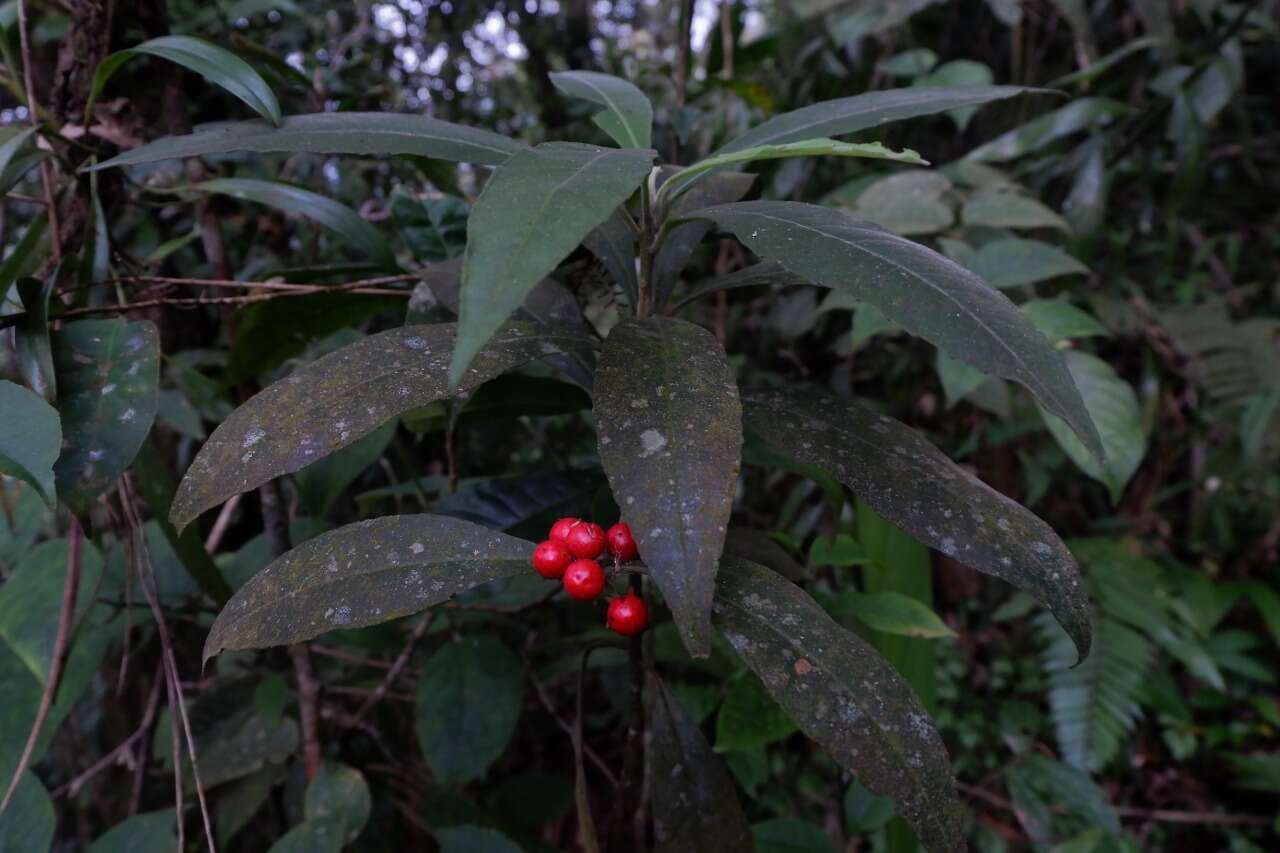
[(331, 133), (819, 147), (763, 274), (363, 574), (334, 215), (627, 115), (334, 401), (107, 372), (30, 438), (870, 109), (842, 694), (533, 212), (695, 807), (680, 241), (670, 430), (918, 289), (614, 245), (914, 485), (215, 64)]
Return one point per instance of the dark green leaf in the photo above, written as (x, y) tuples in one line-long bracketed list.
[(895, 613), (35, 356), (1013, 261), (1048, 128), (339, 793), (24, 258), (533, 212), (363, 574), (958, 72), (9, 149), (788, 835), (765, 274), (999, 209), (474, 839), (759, 547), (30, 438), (614, 245), (627, 115), (435, 229), (524, 505), (323, 482), (910, 482), (234, 752), (918, 289), (843, 695), (333, 402), (213, 63), (325, 835), (670, 437), (467, 707), (1059, 319), (1041, 787), (335, 216), (865, 811), (107, 376), (681, 240), (749, 717), (28, 824), (152, 832), (907, 202), (332, 133), (695, 807), (840, 551), (870, 109)]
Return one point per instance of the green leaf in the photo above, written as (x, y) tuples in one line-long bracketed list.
[(998, 209), (818, 147), (915, 486), (24, 258), (1059, 319), (339, 793), (331, 403), (331, 133), (107, 371), (35, 356), (840, 551), (1041, 788), (788, 835), (870, 109), (363, 574), (150, 831), (525, 505), (325, 835), (842, 695), (321, 483), (1013, 261), (682, 240), (435, 229), (908, 202), (467, 707), (218, 66), (695, 808), (614, 245), (895, 613), (533, 212), (30, 438), (474, 839), (958, 379), (9, 150), (670, 436), (920, 290), (865, 811), (28, 824), (335, 216), (956, 73), (1048, 128), (1113, 406), (765, 274), (908, 63), (749, 718), (760, 548), (627, 115)]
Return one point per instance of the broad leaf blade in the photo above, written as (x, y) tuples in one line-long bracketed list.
[(695, 808), (363, 574), (670, 435), (870, 109), (627, 115), (920, 290), (108, 371), (215, 64), (533, 212), (914, 485), (334, 215), (332, 133), (333, 402), (30, 438), (843, 695)]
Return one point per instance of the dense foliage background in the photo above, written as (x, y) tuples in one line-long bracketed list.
[(1133, 216)]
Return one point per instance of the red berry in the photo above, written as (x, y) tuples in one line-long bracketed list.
[(628, 615), (586, 540), (621, 543), (551, 558), (584, 579), (560, 530)]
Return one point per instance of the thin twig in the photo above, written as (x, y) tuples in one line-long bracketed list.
[(73, 787), (389, 680), (62, 639), (586, 826), (221, 524), (567, 728), (46, 167)]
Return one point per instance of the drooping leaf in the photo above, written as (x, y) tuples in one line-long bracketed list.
[(809, 147), (1048, 128), (1059, 319), (363, 574), (339, 793), (627, 115), (151, 831), (998, 209), (681, 240), (920, 290), (1013, 261), (533, 212), (28, 824), (467, 707), (914, 485), (334, 215), (843, 695), (333, 402), (107, 371), (1113, 406), (870, 109), (695, 808), (670, 436), (331, 133), (30, 438)]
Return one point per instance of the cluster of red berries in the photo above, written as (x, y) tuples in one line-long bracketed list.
[(570, 554)]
